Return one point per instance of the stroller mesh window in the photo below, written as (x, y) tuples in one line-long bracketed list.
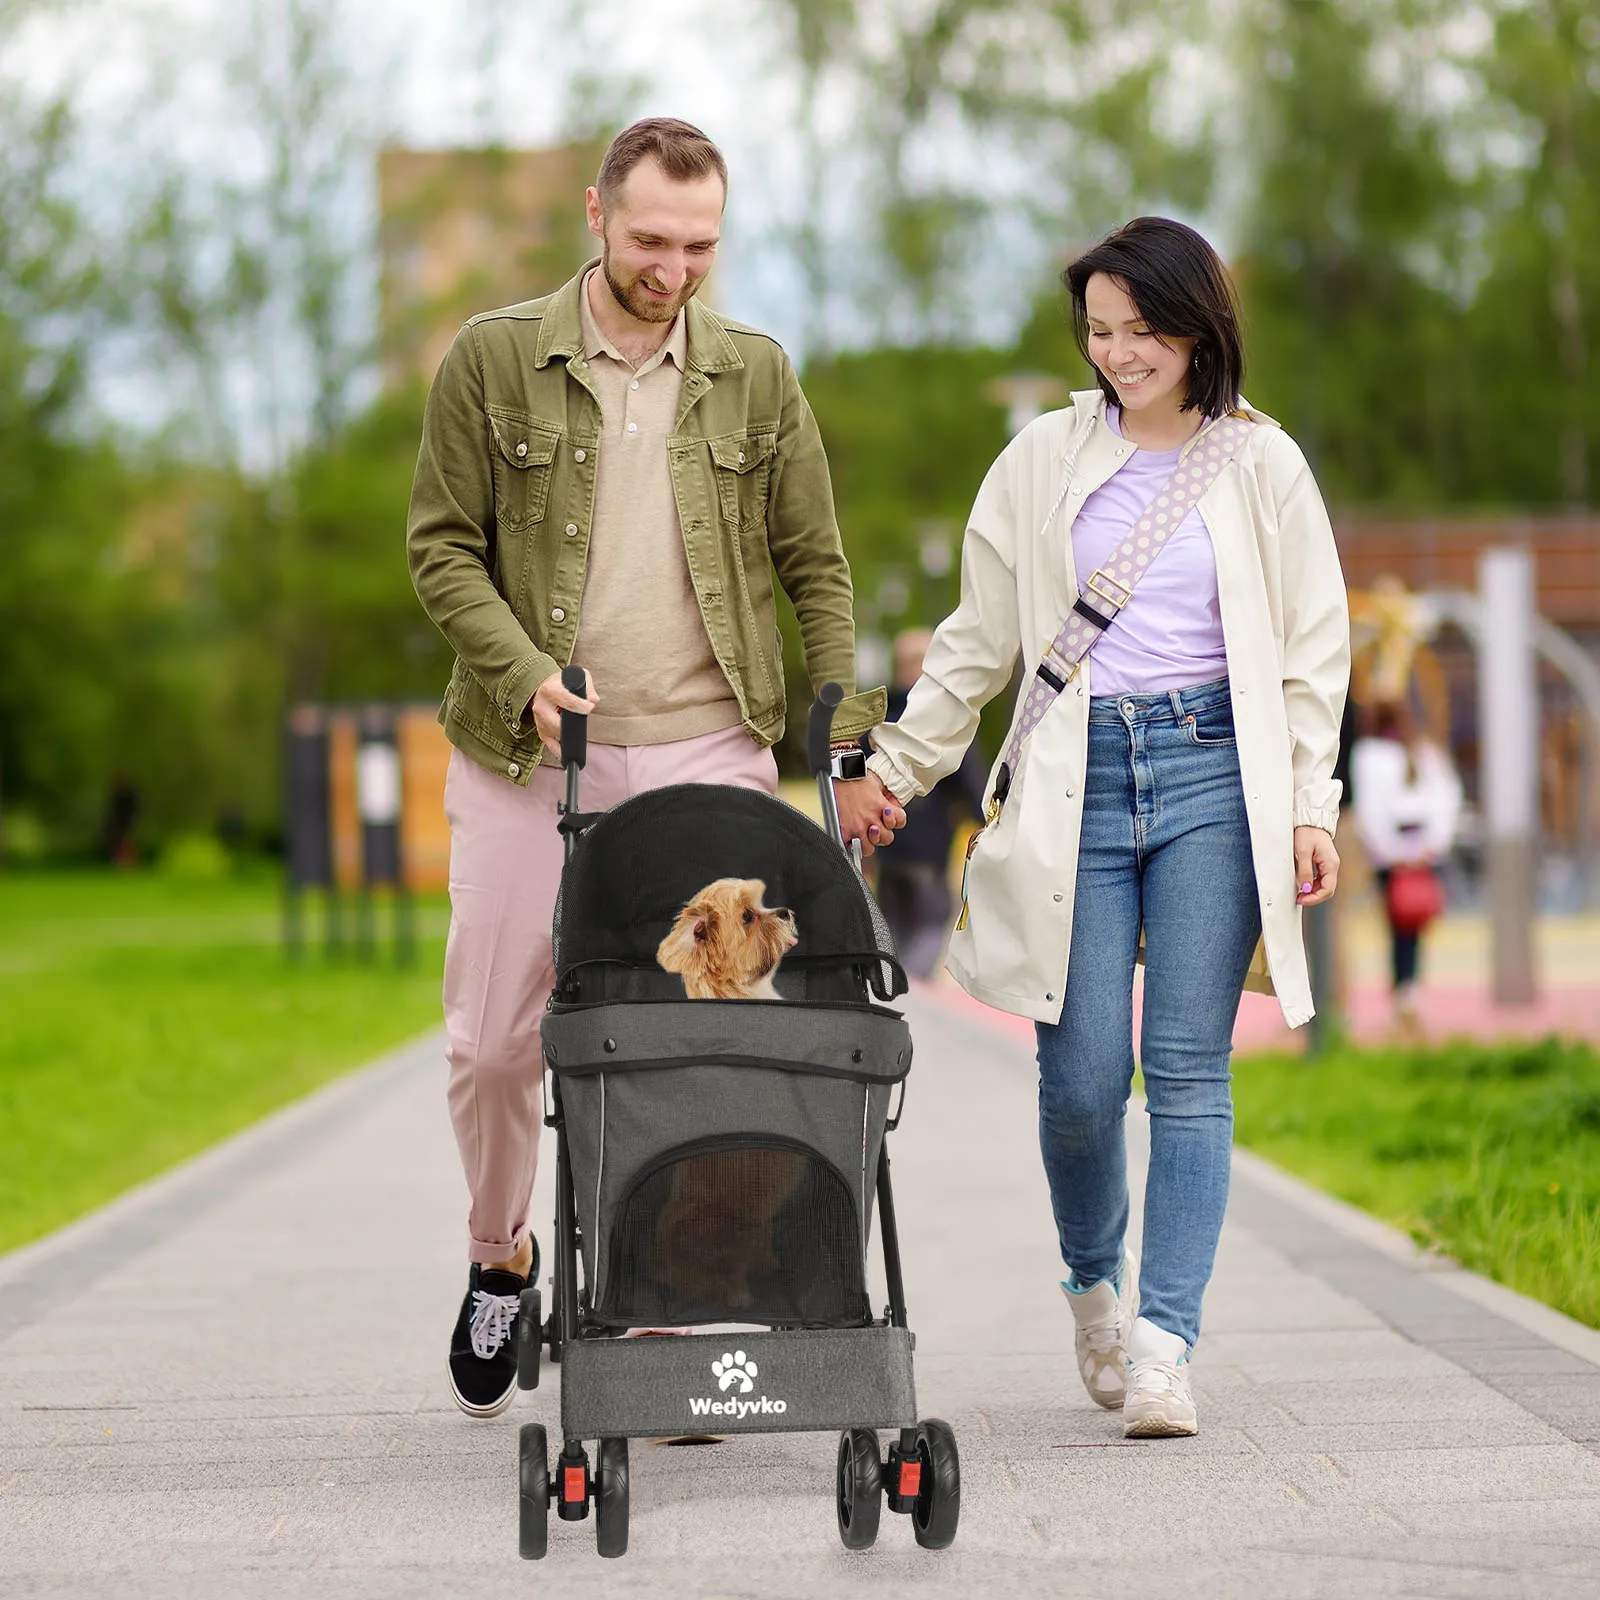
[(635, 869), (736, 1229)]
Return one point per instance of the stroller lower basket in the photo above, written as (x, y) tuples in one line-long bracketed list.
[(724, 1156)]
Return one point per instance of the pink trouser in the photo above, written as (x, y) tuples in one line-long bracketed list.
[(505, 865)]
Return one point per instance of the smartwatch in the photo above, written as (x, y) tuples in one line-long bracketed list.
[(850, 763)]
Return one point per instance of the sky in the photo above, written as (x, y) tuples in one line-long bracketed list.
[(150, 80)]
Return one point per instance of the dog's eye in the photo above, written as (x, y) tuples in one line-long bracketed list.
[(749, 916)]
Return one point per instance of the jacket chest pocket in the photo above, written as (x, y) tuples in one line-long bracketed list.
[(742, 466), (524, 459)]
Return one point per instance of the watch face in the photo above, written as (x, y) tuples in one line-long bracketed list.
[(850, 764)]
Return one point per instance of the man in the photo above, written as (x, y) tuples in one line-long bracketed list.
[(608, 476)]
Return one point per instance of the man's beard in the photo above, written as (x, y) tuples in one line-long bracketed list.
[(633, 299)]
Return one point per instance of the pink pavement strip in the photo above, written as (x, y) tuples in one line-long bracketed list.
[(1456, 1003)]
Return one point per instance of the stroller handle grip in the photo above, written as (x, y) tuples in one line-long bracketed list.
[(819, 731), (819, 728), (574, 724)]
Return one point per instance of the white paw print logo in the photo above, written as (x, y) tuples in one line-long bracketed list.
[(732, 1369)]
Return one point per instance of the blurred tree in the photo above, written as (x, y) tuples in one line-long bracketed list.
[(1536, 314), (1349, 241), (59, 626)]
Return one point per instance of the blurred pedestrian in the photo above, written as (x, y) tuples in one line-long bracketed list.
[(1177, 786), (914, 879), (1407, 801), (608, 475), (119, 842)]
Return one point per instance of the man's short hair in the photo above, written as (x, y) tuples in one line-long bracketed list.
[(682, 150)]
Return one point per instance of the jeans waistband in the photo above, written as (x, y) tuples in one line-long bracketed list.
[(1172, 705)]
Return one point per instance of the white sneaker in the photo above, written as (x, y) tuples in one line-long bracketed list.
[(1159, 1404), (1104, 1317)]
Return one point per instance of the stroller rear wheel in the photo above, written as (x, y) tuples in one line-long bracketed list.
[(533, 1524), (938, 1507), (530, 1338), (860, 1487), (611, 1499)]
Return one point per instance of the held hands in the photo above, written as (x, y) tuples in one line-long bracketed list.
[(550, 699), (1316, 866), (867, 811)]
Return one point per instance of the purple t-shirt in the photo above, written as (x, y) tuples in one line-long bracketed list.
[(1169, 635)]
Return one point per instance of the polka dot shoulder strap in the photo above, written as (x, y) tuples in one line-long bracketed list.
[(1110, 586)]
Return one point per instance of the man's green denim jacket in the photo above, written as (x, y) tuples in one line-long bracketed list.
[(498, 533)]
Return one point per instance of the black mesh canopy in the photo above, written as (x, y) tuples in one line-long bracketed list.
[(640, 863)]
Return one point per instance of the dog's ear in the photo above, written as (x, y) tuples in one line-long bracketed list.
[(674, 950), (701, 931)]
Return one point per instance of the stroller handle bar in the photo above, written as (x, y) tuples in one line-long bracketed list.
[(819, 732), (819, 728), (574, 724)]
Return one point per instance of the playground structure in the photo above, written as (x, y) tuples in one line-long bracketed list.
[(1535, 773)]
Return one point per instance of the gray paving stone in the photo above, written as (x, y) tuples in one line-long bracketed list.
[(278, 1425)]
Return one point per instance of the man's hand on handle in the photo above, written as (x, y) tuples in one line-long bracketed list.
[(550, 699), (867, 811)]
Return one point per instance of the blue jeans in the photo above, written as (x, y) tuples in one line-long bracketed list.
[(1165, 843)]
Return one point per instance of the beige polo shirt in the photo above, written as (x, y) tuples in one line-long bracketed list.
[(640, 632)]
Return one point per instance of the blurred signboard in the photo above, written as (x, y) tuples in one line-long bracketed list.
[(365, 797)]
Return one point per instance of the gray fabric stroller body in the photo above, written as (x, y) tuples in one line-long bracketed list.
[(719, 1165)]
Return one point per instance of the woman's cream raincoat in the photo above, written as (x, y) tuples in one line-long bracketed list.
[(1286, 631)]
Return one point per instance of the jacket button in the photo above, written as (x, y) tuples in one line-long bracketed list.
[(741, 458), (1069, 796), (513, 770), (557, 614), (1056, 898), (1049, 995), (522, 447), (580, 455), (572, 530)]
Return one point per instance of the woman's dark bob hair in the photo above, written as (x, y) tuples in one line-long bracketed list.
[(1182, 289)]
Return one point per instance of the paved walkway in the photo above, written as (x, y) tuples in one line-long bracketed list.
[(231, 1385)]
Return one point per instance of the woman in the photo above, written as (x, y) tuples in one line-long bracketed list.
[(1178, 781), (1407, 800)]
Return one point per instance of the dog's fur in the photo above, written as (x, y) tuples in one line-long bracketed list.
[(726, 945), (715, 1229)]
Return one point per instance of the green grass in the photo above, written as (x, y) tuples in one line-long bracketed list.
[(1490, 1154), (143, 1018)]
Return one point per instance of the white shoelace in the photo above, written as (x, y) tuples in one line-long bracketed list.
[(492, 1316), (1159, 1377)]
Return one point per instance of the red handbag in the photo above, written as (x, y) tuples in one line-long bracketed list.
[(1415, 897)]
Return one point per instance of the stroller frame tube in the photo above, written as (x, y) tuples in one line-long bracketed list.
[(565, 1320)]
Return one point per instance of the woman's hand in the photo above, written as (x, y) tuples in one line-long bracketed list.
[(1316, 866), (867, 811)]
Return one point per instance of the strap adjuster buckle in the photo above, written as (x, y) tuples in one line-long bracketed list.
[(1101, 583)]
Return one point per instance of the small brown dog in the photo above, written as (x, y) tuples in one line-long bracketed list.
[(726, 945), (715, 1228)]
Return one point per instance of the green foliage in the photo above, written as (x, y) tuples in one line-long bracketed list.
[(1489, 1153), (144, 1017)]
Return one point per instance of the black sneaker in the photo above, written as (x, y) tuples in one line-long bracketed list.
[(483, 1348)]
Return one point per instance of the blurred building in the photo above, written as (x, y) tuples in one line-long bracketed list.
[(463, 231)]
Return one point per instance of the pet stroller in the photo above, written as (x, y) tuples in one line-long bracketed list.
[(717, 1163)]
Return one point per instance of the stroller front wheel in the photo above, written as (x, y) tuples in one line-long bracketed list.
[(611, 1499), (533, 1529), (938, 1507), (860, 1487)]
